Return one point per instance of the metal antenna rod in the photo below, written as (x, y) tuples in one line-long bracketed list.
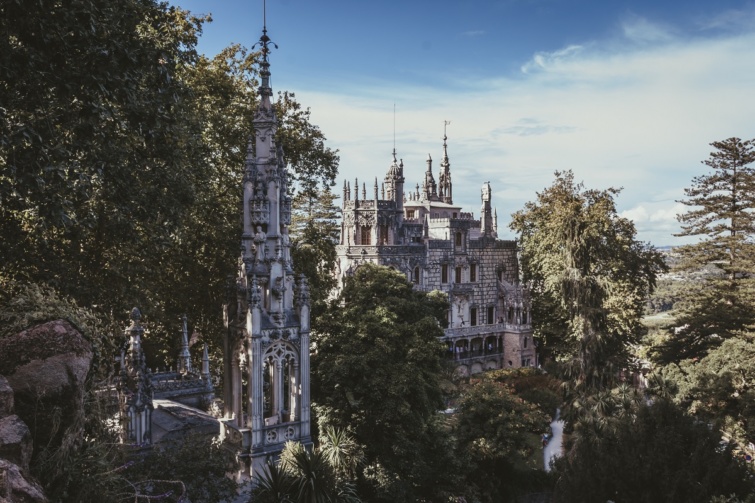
[(394, 127)]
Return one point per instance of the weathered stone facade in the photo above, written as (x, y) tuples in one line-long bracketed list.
[(424, 235), (266, 348)]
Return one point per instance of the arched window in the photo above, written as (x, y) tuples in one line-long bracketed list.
[(416, 275), (458, 239)]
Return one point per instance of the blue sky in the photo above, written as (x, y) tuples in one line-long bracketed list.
[(624, 93)]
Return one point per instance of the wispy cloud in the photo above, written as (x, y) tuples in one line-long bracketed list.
[(732, 19), (640, 30), (623, 114), (549, 60), (473, 33)]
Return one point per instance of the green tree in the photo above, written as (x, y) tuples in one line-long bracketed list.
[(721, 214), (662, 454), (315, 233), (720, 388), (121, 157), (589, 276), (311, 475), (377, 370), (497, 433)]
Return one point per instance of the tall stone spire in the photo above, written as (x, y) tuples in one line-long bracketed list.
[(486, 214), (445, 191), (184, 357), (266, 347), (429, 188)]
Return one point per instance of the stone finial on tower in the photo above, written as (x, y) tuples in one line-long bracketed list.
[(445, 190), (135, 388), (486, 214), (356, 189), (205, 364), (184, 357), (376, 192)]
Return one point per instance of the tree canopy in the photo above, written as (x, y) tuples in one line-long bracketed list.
[(377, 370), (661, 454), (590, 276), (121, 156), (722, 215)]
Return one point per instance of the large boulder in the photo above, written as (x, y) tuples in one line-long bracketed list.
[(15, 441), (16, 488), (6, 397), (47, 366)]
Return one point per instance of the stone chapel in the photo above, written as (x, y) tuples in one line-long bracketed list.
[(423, 234)]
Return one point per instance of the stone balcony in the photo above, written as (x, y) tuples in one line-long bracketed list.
[(456, 332)]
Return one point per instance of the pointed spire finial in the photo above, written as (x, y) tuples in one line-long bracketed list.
[(264, 44)]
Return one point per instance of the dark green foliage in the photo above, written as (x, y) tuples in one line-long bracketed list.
[(319, 475), (121, 157), (718, 387), (314, 235), (377, 370), (721, 213), (197, 463), (499, 434), (660, 455)]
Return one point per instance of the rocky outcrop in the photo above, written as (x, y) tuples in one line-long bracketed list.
[(6, 397), (16, 488), (43, 371), (46, 366), (15, 453), (15, 441)]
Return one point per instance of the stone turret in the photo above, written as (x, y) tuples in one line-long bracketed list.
[(486, 214), (445, 188), (429, 188), (135, 387)]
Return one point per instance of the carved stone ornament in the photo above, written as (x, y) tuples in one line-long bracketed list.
[(366, 219)]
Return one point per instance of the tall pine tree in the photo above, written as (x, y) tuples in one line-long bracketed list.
[(722, 214)]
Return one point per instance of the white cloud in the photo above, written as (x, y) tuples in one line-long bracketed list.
[(638, 116), (641, 30), (473, 33), (549, 60), (732, 19)]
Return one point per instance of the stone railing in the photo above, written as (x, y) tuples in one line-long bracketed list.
[(452, 333), (465, 355)]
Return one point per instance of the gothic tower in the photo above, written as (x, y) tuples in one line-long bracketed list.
[(266, 348), (444, 179), (486, 214)]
